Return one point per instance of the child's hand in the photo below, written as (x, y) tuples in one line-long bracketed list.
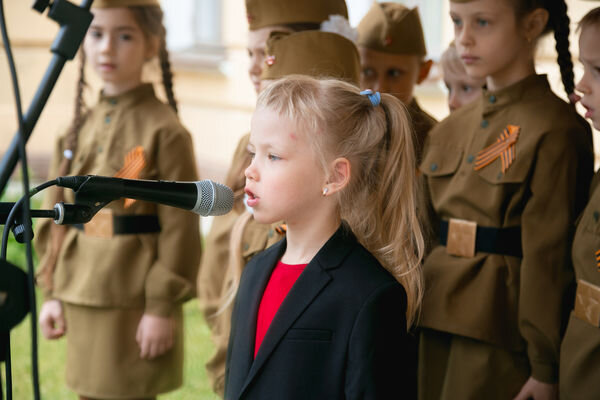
[(154, 336), (52, 320), (534, 389)]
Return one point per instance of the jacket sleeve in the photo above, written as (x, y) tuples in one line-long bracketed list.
[(547, 231), (171, 280), (381, 361), (42, 240)]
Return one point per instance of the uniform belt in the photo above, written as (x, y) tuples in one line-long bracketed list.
[(505, 241), (132, 224), (587, 303)]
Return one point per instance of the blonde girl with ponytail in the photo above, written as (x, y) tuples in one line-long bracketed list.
[(115, 286), (331, 304)]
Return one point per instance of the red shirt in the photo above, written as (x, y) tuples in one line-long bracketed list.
[(282, 279)]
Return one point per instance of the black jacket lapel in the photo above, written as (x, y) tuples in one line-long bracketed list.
[(244, 320)]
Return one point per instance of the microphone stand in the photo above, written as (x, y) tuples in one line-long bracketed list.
[(74, 22)]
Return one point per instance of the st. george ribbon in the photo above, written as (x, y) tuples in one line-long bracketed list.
[(93, 192)]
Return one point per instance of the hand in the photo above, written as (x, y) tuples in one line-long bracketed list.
[(52, 319), (534, 389), (154, 336)]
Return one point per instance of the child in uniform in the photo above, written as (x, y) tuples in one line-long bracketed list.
[(321, 314), (115, 286), (508, 175), (462, 89), (264, 17), (392, 51), (580, 350)]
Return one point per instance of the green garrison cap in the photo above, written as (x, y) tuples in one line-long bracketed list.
[(263, 13), (392, 28), (312, 53), (124, 3)]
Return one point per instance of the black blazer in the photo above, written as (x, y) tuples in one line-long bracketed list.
[(339, 334)]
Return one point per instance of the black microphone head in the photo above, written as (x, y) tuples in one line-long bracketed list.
[(213, 198)]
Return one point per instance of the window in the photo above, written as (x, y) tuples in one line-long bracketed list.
[(194, 35)]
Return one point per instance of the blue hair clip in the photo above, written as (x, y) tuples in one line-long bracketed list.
[(374, 97)]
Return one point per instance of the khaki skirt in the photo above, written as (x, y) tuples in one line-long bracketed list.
[(103, 356)]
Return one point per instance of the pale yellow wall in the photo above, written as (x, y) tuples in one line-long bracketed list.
[(215, 105)]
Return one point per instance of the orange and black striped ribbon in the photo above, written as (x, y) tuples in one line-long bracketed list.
[(503, 148), (135, 161), (598, 259)]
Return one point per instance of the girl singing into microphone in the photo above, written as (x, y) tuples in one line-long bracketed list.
[(324, 313), (115, 286)]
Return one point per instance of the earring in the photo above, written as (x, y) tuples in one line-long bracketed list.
[(325, 191)]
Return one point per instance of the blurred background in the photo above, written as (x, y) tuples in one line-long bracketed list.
[(207, 41)]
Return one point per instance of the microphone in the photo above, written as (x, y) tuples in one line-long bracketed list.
[(202, 197)]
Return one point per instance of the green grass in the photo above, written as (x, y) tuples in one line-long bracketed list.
[(51, 360), (198, 348)]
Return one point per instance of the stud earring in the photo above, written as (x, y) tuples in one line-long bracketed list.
[(325, 191)]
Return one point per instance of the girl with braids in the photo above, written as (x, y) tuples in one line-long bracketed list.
[(323, 314), (508, 175), (115, 286), (580, 350)]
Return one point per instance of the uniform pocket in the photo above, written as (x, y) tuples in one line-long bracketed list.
[(317, 335), (440, 160), (517, 171)]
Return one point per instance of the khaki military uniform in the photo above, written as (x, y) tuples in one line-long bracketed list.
[(107, 282), (580, 350), (501, 301)]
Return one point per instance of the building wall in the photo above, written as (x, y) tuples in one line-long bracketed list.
[(216, 98)]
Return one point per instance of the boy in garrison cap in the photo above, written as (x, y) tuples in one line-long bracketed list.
[(392, 51), (264, 17)]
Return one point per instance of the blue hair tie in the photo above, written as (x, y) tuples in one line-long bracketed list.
[(374, 97)]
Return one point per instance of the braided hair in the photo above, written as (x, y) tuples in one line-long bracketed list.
[(558, 22), (150, 20), (80, 114)]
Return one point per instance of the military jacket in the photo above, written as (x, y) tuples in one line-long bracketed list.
[(152, 270), (580, 351), (515, 303)]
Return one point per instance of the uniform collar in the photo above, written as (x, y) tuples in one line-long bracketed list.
[(533, 85), (414, 105), (129, 98)]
